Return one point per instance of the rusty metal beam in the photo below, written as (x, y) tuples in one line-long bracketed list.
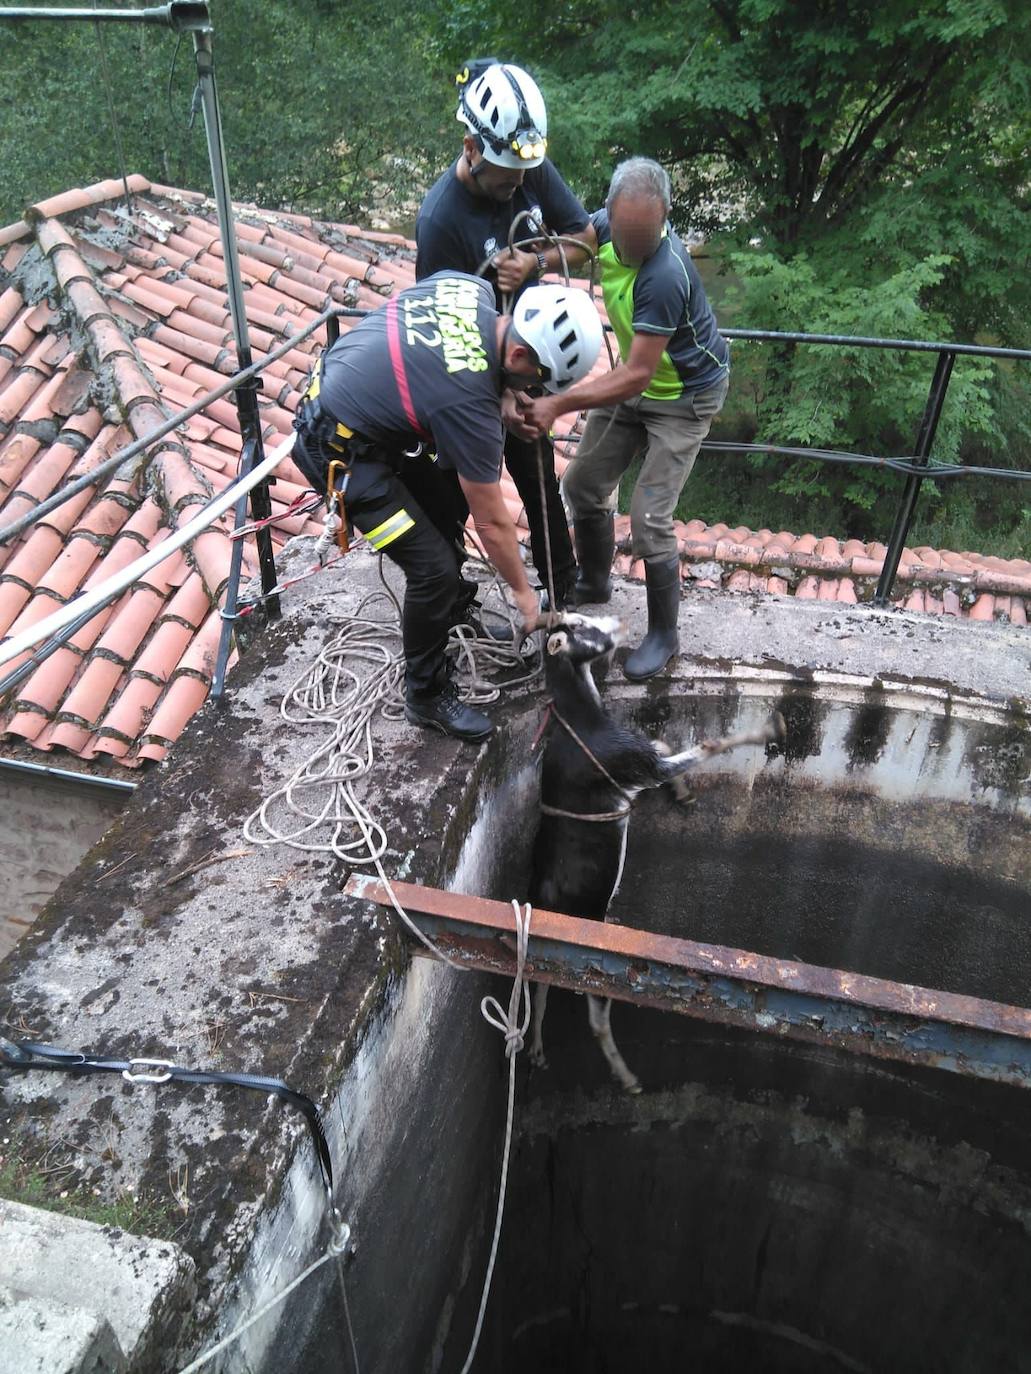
[(823, 1006)]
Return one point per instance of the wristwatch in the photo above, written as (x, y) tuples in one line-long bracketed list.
[(542, 264)]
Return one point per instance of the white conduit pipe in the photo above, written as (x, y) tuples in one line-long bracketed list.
[(106, 591)]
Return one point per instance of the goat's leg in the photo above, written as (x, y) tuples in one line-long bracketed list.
[(598, 1013), (774, 729), (540, 1002)]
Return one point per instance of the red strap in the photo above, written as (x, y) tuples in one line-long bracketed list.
[(397, 362), (545, 722)]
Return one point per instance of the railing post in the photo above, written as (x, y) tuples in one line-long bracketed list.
[(228, 613), (907, 506), (246, 396)]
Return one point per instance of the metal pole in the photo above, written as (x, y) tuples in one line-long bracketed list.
[(907, 506), (40, 770), (233, 585), (178, 14), (246, 395)]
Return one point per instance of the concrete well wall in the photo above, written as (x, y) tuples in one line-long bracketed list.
[(753, 1186)]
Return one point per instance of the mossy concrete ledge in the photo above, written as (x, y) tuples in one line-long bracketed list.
[(78, 1298), (178, 939)]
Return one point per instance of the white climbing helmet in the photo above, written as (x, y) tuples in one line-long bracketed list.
[(562, 326), (503, 107)]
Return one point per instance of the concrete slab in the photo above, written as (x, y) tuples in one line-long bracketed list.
[(42, 1336), (86, 1280)]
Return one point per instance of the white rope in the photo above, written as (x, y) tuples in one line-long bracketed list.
[(317, 810), (514, 1032), (226, 1341)]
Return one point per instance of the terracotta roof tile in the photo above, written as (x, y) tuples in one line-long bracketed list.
[(26, 723), (13, 598), (32, 560), (151, 306), (120, 727), (19, 391), (63, 579), (808, 589), (12, 303)]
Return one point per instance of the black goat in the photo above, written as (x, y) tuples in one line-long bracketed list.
[(593, 769)]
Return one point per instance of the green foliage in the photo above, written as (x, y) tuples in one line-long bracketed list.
[(866, 172), (317, 110), (854, 398), (50, 1179), (862, 170)]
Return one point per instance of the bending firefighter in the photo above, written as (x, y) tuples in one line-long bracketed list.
[(407, 408), (660, 401)]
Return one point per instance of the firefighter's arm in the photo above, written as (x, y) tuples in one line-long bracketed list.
[(498, 536)]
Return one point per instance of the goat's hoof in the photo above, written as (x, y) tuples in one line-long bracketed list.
[(633, 1088), (538, 1059)]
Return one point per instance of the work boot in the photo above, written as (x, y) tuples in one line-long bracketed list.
[(446, 713), (662, 641), (565, 594), (595, 539), (498, 630)]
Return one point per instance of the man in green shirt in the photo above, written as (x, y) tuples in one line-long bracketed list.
[(661, 400)]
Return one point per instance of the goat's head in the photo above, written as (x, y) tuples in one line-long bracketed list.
[(581, 638)]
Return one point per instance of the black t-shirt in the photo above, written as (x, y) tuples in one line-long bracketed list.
[(458, 230), (445, 352)]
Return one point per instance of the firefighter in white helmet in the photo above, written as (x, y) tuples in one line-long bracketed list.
[(464, 224), (401, 424)]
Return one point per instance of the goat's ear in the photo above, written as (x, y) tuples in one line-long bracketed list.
[(558, 643)]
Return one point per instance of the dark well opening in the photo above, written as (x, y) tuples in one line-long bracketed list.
[(765, 1204), (769, 1205)]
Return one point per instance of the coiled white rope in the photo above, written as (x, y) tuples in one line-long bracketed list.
[(317, 809)]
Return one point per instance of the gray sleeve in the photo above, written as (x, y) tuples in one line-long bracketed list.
[(662, 292)]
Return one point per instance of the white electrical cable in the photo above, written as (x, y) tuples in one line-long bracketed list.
[(107, 591)]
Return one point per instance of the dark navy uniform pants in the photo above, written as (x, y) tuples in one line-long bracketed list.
[(415, 513)]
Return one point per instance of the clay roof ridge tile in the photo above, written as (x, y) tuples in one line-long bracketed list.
[(81, 197)]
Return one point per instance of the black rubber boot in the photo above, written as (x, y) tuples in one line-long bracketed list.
[(595, 539), (446, 713), (662, 641)]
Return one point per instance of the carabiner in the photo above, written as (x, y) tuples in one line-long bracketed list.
[(335, 499)]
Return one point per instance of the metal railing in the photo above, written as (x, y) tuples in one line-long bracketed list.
[(58, 628), (918, 466)]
